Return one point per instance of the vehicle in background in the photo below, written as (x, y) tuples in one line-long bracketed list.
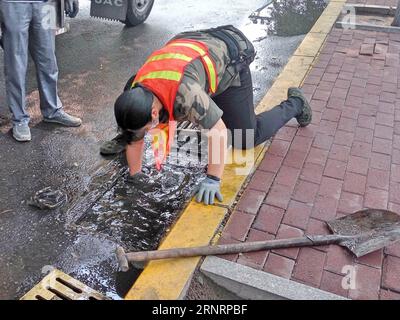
[(129, 12)]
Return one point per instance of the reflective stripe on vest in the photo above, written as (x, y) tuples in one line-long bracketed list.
[(208, 63), (212, 73), (165, 75), (175, 76), (169, 56), (189, 45)]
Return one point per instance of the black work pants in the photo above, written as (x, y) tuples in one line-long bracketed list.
[(239, 115)]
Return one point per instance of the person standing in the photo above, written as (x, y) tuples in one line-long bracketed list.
[(24, 26)]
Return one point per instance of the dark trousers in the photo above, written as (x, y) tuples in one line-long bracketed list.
[(238, 107)]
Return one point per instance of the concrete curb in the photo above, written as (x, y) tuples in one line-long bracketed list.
[(369, 8), (367, 27), (251, 284), (169, 279), (197, 226)]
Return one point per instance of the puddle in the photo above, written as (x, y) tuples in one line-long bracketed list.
[(91, 260), (289, 17)]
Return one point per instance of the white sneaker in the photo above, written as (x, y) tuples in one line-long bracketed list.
[(21, 132)]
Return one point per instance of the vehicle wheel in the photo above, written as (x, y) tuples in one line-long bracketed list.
[(138, 11)]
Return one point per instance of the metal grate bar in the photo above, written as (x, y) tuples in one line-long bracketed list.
[(60, 286)]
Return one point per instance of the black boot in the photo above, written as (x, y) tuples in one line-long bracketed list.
[(305, 118), (114, 146)]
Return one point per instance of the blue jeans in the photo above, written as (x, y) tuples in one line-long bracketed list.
[(23, 28)]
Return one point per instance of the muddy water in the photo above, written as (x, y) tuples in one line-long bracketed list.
[(138, 216)]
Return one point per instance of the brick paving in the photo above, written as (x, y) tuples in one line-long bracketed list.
[(346, 160)]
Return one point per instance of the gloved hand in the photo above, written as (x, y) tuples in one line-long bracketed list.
[(209, 188), (71, 8)]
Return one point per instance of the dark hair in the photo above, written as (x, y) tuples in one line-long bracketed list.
[(132, 111)]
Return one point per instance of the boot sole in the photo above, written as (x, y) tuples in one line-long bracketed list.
[(22, 139)]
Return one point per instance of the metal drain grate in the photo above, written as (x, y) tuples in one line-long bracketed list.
[(60, 286)]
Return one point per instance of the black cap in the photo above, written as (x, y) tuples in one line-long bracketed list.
[(132, 109)]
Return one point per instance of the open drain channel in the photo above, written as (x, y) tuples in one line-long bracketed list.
[(137, 217)]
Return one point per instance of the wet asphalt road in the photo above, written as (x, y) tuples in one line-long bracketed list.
[(95, 59)]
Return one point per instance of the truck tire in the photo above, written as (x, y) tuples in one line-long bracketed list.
[(138, 11)]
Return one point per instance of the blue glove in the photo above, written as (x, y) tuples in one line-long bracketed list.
[(209, 188), (71, 8)]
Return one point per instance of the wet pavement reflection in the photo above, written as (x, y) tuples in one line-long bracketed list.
[(289, 17)]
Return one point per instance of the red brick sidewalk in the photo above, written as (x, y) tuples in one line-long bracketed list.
[(348, 159)]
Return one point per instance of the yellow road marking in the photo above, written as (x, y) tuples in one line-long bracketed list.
[(167, 279)]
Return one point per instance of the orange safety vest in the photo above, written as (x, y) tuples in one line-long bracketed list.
[(162, 74)]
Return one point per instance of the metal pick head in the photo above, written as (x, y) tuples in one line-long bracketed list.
[(372, 229)]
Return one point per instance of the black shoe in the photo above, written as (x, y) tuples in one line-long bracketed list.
[(305, 118), (114, 146)]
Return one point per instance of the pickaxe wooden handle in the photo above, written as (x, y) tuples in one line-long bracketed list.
[(143, 256)]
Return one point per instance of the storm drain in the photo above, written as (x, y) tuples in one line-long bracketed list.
[(60, 286)]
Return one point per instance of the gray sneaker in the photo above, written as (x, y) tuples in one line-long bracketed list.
[(21, 132), (305, 118), (65, 119)]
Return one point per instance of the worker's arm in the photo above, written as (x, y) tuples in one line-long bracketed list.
[(134, 156), (198, 107), (217, 146), (210, 187)]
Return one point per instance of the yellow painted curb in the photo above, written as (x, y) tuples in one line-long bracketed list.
[(168, 279), (310, 45), (240, 164), (198, 224)]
